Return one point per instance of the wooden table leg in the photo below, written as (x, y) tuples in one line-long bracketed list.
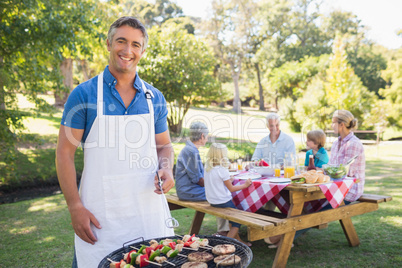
[(285, 245), (349, 230), (197, 221)]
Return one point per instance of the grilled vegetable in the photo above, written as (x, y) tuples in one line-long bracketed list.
[(166, 249), (172, 253), (154, 254)]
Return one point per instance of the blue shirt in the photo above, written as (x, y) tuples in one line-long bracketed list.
[(320, 158), (80, 109), (274, 152), (189, 170)]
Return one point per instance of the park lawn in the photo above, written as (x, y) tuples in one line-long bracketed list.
[(37, 233)]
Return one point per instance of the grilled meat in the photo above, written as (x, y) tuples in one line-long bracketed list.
[(226, 260), (200, 257), (194, 265), (223, 249)]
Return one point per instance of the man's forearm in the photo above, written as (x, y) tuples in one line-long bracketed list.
[(66, 175), (166, 157)]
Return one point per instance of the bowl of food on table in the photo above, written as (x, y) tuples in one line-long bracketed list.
[(263, 168), (335, 171)]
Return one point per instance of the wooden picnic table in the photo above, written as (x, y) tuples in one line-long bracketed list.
[(262, 226)]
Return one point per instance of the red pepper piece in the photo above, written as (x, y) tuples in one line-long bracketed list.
[(159, 247), (262, 163), (149, 251), (172, 245), (188, 243), (129, 256), (117, 264), (143, 260)]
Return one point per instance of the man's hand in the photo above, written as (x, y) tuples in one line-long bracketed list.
[(166, 176), (81, 219)]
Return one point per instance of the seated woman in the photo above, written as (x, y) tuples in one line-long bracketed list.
[(189, 173), (345, 147)]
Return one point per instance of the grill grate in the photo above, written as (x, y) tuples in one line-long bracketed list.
[(242, 251)]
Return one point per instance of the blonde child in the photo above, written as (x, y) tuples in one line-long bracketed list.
[(218, 183), (315, 143)]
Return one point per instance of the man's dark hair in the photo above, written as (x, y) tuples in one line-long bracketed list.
[(132, 22)]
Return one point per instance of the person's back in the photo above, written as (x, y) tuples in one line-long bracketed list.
[(189, 170)]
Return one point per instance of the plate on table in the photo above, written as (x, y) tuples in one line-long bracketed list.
[(246, 176), (233, 173), (280, 180)]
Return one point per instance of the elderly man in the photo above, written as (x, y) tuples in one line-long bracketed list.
[(274, 146)]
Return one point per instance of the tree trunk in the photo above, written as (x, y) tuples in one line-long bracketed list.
[(66, 68), (2, 92), (276, 101), (84, 69), (235, 77), (260, 88)]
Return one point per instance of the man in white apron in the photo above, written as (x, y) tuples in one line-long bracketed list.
[(121, 123)]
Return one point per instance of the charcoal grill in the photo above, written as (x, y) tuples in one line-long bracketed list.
[(243, 251)]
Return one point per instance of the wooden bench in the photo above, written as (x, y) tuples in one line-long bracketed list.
[(252, 220), (260, 226)]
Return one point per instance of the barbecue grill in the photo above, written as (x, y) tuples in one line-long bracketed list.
[(243, 251)]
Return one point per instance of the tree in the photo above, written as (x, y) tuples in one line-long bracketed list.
[(181, 66), (34, 34), (152, 14), (368, 66), (393, 91), (229, 32), (305, 38), (338, 88), (271, 16)]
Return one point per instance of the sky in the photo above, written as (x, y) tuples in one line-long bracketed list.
[(382, 17)]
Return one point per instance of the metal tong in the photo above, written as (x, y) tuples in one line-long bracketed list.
[(170, 222), (351, 160)]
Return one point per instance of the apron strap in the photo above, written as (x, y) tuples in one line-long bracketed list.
[(100, 95), (149, 95)]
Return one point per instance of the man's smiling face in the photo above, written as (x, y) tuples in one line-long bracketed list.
[(125, 50)]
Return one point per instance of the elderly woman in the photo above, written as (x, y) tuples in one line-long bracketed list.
[(189, 169), (345, 147)]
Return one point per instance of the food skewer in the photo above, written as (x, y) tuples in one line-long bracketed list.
[(158, 264), (228, 257), (193, 249), (168, 262), (171, 263)]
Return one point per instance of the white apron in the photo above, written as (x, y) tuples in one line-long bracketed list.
[(117, 183)]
